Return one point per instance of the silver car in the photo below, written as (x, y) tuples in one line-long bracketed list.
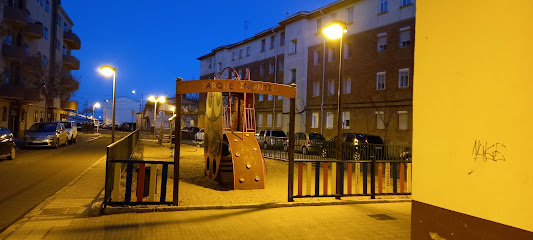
[(46, 134), (72, 130)]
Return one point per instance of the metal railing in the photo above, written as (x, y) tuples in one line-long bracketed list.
[(120, 150)]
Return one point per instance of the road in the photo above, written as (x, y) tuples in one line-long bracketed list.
[(36, 174)]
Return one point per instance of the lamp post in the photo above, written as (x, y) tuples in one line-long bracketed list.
[(141, 105), (109, 71), (96, 105), (336, 30), (161, 99)]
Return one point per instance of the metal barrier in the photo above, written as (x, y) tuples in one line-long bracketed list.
[(120, 150), (150, 177)]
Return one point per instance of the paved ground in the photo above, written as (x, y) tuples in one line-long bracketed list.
[(65, 216)]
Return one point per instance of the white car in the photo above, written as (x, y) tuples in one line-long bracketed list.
[(199, 138), (72, 130)]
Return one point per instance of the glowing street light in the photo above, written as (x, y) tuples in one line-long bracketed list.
[(161, 99), (333, 31), (109, 71), (96, 105)]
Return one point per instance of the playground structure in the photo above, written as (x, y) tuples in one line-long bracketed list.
[(232, 154)]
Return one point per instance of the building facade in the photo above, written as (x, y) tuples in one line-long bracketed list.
[(36, 62), (378, 51)]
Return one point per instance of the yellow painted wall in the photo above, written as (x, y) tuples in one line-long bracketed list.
[(474, 82)]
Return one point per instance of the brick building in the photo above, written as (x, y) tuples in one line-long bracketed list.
[(35, 80), (377, 69)]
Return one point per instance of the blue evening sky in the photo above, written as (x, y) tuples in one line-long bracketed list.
[(153, 42)]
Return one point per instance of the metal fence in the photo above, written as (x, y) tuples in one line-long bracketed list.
[(120, 150), (364, 169)]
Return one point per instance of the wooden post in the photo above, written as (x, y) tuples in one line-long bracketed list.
[(177, 143), (291, 147)]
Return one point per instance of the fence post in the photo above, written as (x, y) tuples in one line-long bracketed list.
[(373, 178), (291, 149)]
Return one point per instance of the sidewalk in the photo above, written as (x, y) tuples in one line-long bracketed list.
[(65, 215)]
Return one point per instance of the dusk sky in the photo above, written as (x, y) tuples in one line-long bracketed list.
[(153, 42)]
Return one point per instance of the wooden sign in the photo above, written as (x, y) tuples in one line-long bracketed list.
[(228, 85)]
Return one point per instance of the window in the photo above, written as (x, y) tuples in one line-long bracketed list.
[(240, 53), (331, 87), (240, 74), (27, 49), (262, 69), (406, 2), (65, 27), (57, 45), (6, 75), (318, 25), (41, 119), (314, 120), (349, 15), (36, 116), (233, 56), (263, 44), (270, 97), (347, 85), (380, 81), (247, 51), (294, 45), (402, 120), (41, 2), (4, 113), (272, 41), (278, 120), (210, 60), (405, 38), (47, 7), (383, 6), (331, 54), (316, 89), (316, 57), (45, 61), (260, 119), (329, 120), (380, 120), (45, 33), (7, 40), (281, 65), (382, 43), (219, 66), (260, 97), (293, 75), (282, 39), (271, 67), (347, 50), (333, 16), (280, 97), (269, 120), (346, 120), (403, 82), (59, 21), (64, 50)]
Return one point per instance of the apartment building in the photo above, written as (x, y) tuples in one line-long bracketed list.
[(378, 51), (35, 80)]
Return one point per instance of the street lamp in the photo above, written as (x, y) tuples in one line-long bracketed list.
[(142, 97), (96, 105), (109, 71), (161, 99), (333, 31)]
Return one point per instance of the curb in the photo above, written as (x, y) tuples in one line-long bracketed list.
[(145, 208)]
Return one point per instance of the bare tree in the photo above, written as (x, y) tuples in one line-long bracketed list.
[(382, 103)]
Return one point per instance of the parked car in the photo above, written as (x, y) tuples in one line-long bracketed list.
[(271, 139), (356, 146), (199, 138), (7, 144), (46, 134), (72, 130), (189, 132), (307, 143)]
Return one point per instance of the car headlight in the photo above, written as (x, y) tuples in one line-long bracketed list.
[(50, 136)]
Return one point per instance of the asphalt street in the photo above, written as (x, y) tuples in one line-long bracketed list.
[(36, 174)]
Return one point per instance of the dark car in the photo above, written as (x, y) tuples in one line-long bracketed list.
[(189, 132), (307, 143), (356, 146), (271, 139), (7, 144)]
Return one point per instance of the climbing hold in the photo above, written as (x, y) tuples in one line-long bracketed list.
[(235, 140), (237, 154), (255, 149), (248, 165), (257, 178), (241, 180), (247, 134)]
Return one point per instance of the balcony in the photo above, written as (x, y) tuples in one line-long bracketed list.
[(71, 62), (69, 105), (15, 15), (13, 53), (33, 61), (72, 40), (20, 92), (35, 30)]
